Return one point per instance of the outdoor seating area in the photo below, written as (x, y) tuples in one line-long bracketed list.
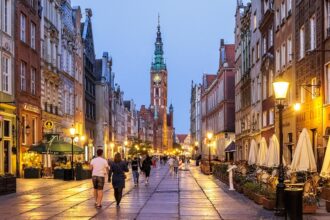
[(53, 160), (258, 177)]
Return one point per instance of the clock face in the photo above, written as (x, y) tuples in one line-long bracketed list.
[(157, 78)]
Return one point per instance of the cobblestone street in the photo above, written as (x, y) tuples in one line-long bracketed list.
[(191, 196)]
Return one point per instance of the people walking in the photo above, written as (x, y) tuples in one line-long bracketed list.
[(146, 168), (99, 167), (135, 170), (176, 166), (117, 175), (170, 163)]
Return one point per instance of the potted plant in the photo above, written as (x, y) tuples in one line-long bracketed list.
[(268, 201), (7, 184), (258, 195), (309, 204)]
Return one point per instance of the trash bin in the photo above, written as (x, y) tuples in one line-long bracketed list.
[(293, 203), (197, 162), (68, 175)]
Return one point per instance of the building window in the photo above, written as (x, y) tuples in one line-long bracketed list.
[(255, 21), (302, 94), (24, 129), (289, 49), (7, 17), (253, 56), (314, 88), (271, 79), (258, 51), (33, 36), (283, 10), (270, 37), (6, 128), (327, 85), (312, 23), (6, 76), (283, 55), (327, 18), (264, 118), (23, 76), (264, 87), (278, 18), (302, 42), (264, 45), (34, 131), (271, 116), (278, 60), (23, 28), (33, 81), (289, 7)]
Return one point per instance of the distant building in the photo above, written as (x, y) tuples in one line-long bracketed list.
[(196, 118)]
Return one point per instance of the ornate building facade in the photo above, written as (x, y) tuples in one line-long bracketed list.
[(8, 136)]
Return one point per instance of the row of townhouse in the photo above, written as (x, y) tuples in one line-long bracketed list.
[(50, 81), (287, 39)]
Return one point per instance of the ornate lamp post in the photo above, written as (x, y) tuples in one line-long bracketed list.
[(73, 135), (281, 89), (209, 136)]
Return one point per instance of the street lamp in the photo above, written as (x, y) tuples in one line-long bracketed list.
[(209, 136), (73, 135), (280, 89)]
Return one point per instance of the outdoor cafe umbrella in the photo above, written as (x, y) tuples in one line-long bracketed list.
[(325, 172), (253, 153), (273, 153), (262, 152), (56, 147), (303, 158)]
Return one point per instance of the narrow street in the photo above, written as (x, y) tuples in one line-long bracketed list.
[(191, 196)]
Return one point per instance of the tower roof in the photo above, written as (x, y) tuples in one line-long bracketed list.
[(158, 63)]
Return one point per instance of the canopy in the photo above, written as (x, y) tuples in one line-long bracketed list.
[(231, 147), (325, 172), (262, 153), (56, 147), (253, 153), (273, 153), (303, 157)]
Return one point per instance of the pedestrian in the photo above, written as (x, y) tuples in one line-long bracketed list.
[(176, 166), (170, 163), (135, 170), (117, 174), (146, 168), (99, 167)]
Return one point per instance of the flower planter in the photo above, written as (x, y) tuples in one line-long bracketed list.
[(31, 173), (246, 191), (7, 185), (325, 193), (309, 209), (59, 174), (258, 199), (268, 204), (327, 205)]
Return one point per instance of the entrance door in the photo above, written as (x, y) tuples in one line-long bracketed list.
[(6, 148)]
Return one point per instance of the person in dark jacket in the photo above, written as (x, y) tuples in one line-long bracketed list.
[(146, 167), (135, 164), (117, 174)]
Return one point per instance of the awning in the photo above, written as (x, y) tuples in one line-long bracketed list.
[(231, 147), (56, 147)]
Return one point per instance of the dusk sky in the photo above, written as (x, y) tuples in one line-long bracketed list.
[(191, 31)]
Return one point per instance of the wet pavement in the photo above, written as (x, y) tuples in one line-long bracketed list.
[(191, 196)]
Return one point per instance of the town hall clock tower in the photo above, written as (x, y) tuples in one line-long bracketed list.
[(158, 95)]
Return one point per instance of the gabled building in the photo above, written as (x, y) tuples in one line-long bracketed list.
[(89, 76), (8, 125)]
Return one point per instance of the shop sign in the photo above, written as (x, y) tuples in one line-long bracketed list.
[(49, 124), (31, 108)]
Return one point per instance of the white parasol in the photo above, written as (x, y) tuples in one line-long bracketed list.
[(262, 153), (303, 157), (273, 153), (325, 172), (253, 153)]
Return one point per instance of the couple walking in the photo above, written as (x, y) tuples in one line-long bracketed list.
[(116, 169), (145, 168)]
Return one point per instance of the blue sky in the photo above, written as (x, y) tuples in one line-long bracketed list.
[(191, 31)]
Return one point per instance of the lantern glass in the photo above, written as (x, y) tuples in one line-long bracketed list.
[(280, 89)]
